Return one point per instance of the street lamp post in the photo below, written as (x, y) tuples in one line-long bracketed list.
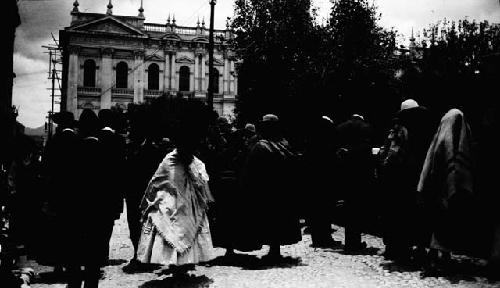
[(210, 94)]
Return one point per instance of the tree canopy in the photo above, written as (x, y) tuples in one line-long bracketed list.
[(296, 68)]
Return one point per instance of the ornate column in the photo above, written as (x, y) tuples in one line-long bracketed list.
[(107, 79), (166, 73), (173, 75), (203, 74), (192, 69), (139, 76), (233, 86), (196, 72), (72, 88), (226, 75)]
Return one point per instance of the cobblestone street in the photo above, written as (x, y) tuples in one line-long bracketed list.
[(316, 268)]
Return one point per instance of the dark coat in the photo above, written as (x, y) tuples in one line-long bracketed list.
[(112, 166), (271, 203), (356, 163), (61, 178), (401, 161)]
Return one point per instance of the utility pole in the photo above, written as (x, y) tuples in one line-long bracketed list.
[(210, 96), (54, 60), (52, 107)]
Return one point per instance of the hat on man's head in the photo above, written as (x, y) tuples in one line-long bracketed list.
[(64, 118), (106, 117), (270, 118), (250, 127), (409, 103), (327, 119), (357, 116)]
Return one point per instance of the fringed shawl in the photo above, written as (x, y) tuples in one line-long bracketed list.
[(447, 169), (176, 201)]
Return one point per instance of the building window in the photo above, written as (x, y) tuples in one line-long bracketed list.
[(154, 77), (184, 75), (89, 73), (215, 79), (122, 75)]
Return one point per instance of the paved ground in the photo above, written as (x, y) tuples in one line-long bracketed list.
[(309, 267)]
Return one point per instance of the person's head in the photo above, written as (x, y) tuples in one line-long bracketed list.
[(269, 127), (64, 119), (88, 123), (250, 128), (139, 123), (320, 129), (107, 118), (223, 124), (191, 125), (357, 117)]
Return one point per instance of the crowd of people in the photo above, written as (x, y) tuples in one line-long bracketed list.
[(196, 182)]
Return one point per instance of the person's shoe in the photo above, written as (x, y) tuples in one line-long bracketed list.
[(492, 270), (230, 253), (132, 266), (272, 258)]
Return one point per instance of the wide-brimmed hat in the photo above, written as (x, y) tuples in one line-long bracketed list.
[(270, 118), (409, 103), (64, 118), (250, 127)]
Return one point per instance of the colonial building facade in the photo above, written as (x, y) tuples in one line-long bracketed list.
[(111, 60)]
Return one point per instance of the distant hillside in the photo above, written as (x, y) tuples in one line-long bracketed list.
[(39, 131)]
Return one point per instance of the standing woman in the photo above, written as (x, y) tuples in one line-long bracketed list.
[(175, 228), (446, 186)]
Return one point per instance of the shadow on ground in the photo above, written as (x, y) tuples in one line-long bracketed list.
[(184, 281), (135, 268), (455, 271), (251, 262), (116, 262), (50, 278)]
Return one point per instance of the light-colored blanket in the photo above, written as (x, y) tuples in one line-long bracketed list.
[(448, 166), (176, 202), (446, 183)]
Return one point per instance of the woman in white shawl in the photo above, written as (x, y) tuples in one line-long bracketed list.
[(175, 229), (446, 185)]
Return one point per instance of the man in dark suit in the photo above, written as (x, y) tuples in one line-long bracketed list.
[(357, 176)]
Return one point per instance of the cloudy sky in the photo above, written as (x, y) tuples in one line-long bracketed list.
[(41, 17)]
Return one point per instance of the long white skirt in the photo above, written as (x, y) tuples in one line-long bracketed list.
[(154, 249)]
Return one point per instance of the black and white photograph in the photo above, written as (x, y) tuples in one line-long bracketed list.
[(250, 144)]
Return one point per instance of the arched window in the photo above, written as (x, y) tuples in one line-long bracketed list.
[(89, 73), (215, 78), (154, 77), (122, 75), (184, 75)]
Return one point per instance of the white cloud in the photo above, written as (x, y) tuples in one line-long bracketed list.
[(24, 65), (32, 98)]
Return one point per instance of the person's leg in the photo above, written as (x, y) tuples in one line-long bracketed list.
[(91, 276), (104, 239), (134, 225), (230, 251), (274, 250), (352, 236), (74, 275), (352, 227)]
